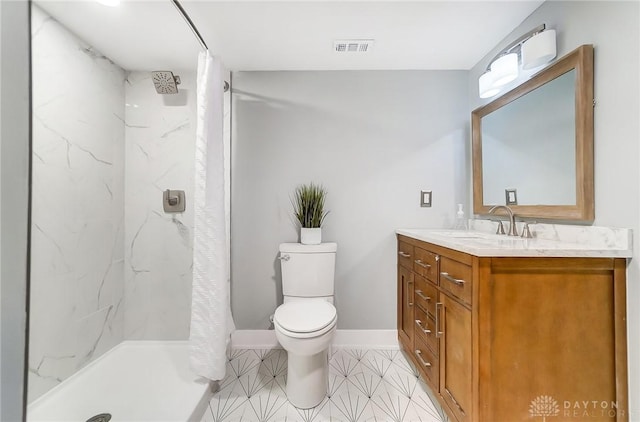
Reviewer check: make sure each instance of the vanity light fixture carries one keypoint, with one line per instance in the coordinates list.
(532, 49)
(486, 87)
(539, 49)
(505, 69)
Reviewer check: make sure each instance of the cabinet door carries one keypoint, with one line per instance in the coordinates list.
(454, 326)
(405, 307)
(553, 333)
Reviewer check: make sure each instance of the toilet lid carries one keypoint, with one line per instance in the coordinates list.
(305, 316)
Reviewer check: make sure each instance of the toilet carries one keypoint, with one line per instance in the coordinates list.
(306, 322)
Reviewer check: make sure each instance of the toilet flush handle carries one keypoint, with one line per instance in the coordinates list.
(284, 257)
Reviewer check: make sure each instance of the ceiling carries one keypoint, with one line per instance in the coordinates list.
(294, 35)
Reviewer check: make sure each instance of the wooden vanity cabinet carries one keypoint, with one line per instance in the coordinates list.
(493, 335)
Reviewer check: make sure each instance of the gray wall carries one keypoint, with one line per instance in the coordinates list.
(374, 140)
(14, 146)
(612, 27)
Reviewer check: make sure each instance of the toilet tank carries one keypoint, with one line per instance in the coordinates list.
(309, 270)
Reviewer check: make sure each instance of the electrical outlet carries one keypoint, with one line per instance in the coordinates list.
(425, 198)
(511, 196)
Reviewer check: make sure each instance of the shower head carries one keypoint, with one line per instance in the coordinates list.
(165, 82)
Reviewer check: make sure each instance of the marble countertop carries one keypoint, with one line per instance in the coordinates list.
(549, 241)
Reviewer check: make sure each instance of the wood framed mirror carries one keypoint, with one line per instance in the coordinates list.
(532, 148)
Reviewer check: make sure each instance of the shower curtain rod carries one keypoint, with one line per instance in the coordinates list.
(190, 23)
(195, 32)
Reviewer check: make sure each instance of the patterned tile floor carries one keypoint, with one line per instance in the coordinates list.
(364, 385)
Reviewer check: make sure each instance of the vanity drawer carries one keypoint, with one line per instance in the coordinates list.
(427, 362)
(426, 264)
(405, 255)
(425, 295)
(456, 278)
(426, 329)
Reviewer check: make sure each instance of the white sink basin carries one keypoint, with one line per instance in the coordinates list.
(459, 234)
(475, 235)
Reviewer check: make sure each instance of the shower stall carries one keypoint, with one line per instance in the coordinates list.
(111, 271)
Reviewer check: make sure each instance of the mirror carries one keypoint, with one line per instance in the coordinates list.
(533, 146)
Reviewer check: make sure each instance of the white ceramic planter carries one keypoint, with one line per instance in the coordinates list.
(310, 236)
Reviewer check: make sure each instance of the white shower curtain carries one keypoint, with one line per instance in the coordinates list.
(211, 321)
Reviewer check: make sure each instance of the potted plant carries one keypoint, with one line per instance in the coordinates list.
(308, 207)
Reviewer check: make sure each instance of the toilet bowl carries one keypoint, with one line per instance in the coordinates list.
(305, 329)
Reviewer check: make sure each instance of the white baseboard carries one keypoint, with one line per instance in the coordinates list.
(254, 339)
(352, 339)
(366, 339)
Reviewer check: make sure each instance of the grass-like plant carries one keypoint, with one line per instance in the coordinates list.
(308, 205)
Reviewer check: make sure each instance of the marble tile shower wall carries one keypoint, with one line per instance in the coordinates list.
(159, 151)
(77, 251)
(107, 263)
(160, 154)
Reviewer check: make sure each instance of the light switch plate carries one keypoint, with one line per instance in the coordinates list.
(511, 196)
(425, 198)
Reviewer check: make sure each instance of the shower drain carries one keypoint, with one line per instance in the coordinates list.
(102, 417)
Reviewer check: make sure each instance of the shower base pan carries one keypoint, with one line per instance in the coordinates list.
(134, 381)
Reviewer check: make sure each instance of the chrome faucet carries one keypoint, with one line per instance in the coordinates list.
(512, 218)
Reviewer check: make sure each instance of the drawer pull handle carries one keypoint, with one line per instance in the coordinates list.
(423, 297)
(438, 332)
(424, 330)
(456, 281)
(422, 361)
(422, 264)
(404, 254)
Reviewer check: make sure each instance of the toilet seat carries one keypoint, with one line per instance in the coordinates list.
(303, 319)
(312, 334)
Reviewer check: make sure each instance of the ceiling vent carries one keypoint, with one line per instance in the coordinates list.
(352, 46)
